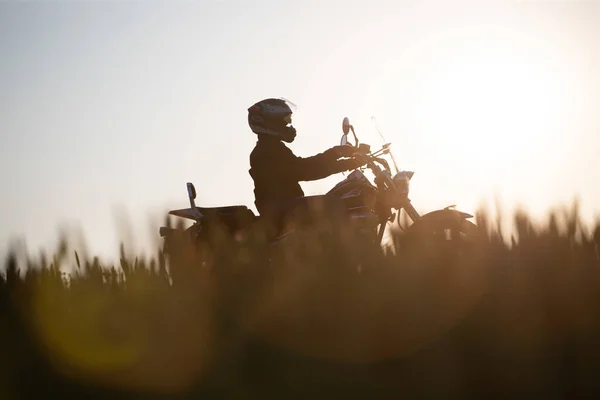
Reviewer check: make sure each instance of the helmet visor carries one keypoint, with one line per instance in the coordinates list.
(291, 105)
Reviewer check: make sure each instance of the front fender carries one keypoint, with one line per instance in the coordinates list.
(445, 216)
(446, 213)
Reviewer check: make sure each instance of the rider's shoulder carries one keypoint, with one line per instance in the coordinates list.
(270, 145)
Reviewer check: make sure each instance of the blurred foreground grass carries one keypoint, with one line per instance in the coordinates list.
(519, 318)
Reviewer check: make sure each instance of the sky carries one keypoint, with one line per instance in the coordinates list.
(108, 108)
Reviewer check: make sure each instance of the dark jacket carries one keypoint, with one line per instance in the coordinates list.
(276, 172)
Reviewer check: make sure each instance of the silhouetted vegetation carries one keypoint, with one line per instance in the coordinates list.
(306, 321)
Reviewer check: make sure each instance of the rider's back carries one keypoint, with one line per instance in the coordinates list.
(271, 165)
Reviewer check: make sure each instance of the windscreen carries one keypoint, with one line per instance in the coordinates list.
(377, 140)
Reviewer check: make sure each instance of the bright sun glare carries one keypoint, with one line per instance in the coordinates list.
(488, 108)
(503, 107)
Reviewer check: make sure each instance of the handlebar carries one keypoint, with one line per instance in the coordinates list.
(371, 160)
(364, 150)
(383, 177)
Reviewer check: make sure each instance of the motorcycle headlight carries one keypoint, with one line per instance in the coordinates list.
(402, 182)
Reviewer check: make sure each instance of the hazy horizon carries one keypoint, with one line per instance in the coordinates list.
(111, 107)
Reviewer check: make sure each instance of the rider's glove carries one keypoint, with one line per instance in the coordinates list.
(342, 151)
(352, 163)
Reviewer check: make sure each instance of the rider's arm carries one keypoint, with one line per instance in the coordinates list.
(317, 167)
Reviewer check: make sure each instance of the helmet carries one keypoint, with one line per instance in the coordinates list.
(273, 117)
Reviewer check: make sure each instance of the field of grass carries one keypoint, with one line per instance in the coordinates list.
(518, 319)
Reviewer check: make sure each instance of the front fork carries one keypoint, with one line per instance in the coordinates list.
(410, 210)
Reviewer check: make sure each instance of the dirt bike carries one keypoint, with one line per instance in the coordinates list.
(369, 206)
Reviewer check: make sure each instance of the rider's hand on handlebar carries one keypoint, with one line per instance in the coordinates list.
(343, 151)
(353, 163)
(360, 158)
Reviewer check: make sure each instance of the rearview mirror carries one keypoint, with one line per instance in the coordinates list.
(344, 140)
(346, 126)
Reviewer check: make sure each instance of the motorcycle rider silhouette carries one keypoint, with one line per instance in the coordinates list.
(277, 171)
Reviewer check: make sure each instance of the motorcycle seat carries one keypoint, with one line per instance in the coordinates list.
(233, 217)
(226, 210)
